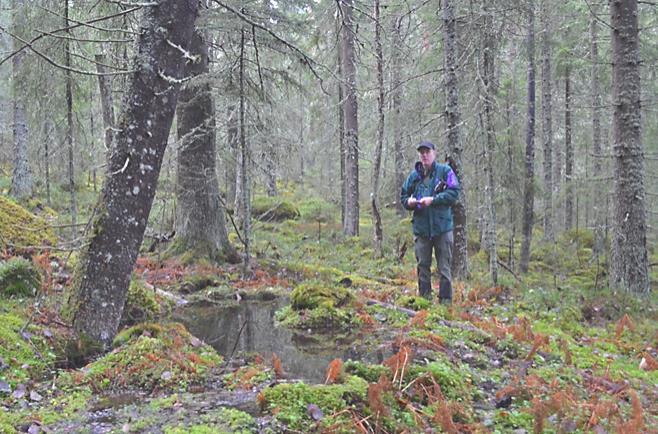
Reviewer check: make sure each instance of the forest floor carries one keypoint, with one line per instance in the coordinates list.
(549, 351)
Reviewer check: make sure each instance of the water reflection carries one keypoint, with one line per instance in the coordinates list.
(249, 327)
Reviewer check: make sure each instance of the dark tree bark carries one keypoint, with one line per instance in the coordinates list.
(396, 110)
(529, 188)
(547, 122)
(454, 145)
(98, 295)
(568, 152)
(597, 208)
(628, 260)
(377, 161)
(201, 219)
(69, 126)
(21, 179)
(488, 67)
(107, 102)
(350, 113)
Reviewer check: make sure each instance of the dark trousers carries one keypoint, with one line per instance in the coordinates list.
(441, 245)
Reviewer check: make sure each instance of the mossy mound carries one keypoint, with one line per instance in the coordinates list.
(292, 402)
(19, 278)
(313, 294)
(19, 228)
(149, 356)
(273, 209)
(142, 304)
(18, 360)
(220, 420)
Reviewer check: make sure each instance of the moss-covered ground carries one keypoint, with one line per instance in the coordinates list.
(550, 351)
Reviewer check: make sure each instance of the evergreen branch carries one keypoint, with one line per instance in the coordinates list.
(307, 60)
(63, 29)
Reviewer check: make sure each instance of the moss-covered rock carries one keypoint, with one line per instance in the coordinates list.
(142, 304)
(220, 420)
(313, 294)
(19, 228)
(19, 277)
(149, 356)
(292, 401)
(273, 209)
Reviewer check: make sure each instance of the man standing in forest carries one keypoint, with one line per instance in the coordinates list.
(429, 191)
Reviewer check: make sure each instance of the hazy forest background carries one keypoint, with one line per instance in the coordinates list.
(188, 139)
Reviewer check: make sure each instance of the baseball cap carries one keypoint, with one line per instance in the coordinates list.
(425, 144)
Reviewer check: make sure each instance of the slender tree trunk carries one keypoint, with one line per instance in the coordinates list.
(21, 180)
(69, 125)
(107, 101)
(599, 211)
(341, 117)
(233, 137)
(547, 122)
(490, 146)
(377, 161)
(98, 294)
(511, 179)
(628, 260)
(244, 159)
(350, 113)
(201, 219)
(568, 152)
(529, 189)
(396, 100)
(454, 145)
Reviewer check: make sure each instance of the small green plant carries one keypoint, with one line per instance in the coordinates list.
(20, 278)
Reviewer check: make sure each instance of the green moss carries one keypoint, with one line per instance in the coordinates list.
(218, 421)
(20, 229)
(313, 294)
(413, 302)
(142, 304)
(273, 209)
(370, 373)
(149, 356)
(455, 381)
(292, 400)
(24, 359)
(19, 277)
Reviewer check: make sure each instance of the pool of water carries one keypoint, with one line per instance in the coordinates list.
(250, 327)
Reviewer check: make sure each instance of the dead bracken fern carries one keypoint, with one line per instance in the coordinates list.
(419, 319)
(276, 366)
(334, 371)
(636, 423)
(397, 363)
(624, 323)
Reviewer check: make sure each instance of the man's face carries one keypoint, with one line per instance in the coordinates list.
(427, 156)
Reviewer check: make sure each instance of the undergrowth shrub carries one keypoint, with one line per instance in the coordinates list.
(19, 278)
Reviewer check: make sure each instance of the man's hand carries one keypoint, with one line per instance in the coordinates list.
(426, 201)
(412, 202)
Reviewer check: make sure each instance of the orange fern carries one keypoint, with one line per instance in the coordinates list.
(276, 365)
(636, 423)
(334, 371)
(419, 319)
(624, 323)
(648, 363)
(375, 397)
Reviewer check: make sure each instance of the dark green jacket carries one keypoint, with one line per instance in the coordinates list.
(441, 183)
